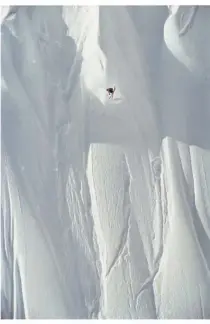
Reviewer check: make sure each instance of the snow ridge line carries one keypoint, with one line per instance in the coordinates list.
(121, 247)
(189, 21)
(100, 266)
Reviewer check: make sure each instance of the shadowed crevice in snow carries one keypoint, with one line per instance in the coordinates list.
(185, 26)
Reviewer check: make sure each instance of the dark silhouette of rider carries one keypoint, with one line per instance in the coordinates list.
(111, 91)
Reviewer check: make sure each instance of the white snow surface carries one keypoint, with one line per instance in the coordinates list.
(105, 204)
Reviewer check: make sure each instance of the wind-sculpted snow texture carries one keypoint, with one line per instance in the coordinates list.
(105, 204)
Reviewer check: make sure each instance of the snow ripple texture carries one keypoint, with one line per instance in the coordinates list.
(105, 203)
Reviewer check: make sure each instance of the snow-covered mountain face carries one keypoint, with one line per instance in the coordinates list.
(105, 202)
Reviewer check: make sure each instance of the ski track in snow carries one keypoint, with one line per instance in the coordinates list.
(105, 203)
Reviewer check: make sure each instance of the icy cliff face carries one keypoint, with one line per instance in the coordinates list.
(105, 203)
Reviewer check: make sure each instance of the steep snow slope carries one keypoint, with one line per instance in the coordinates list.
(105, 203)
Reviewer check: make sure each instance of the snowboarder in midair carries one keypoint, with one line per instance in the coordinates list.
(111, 92)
